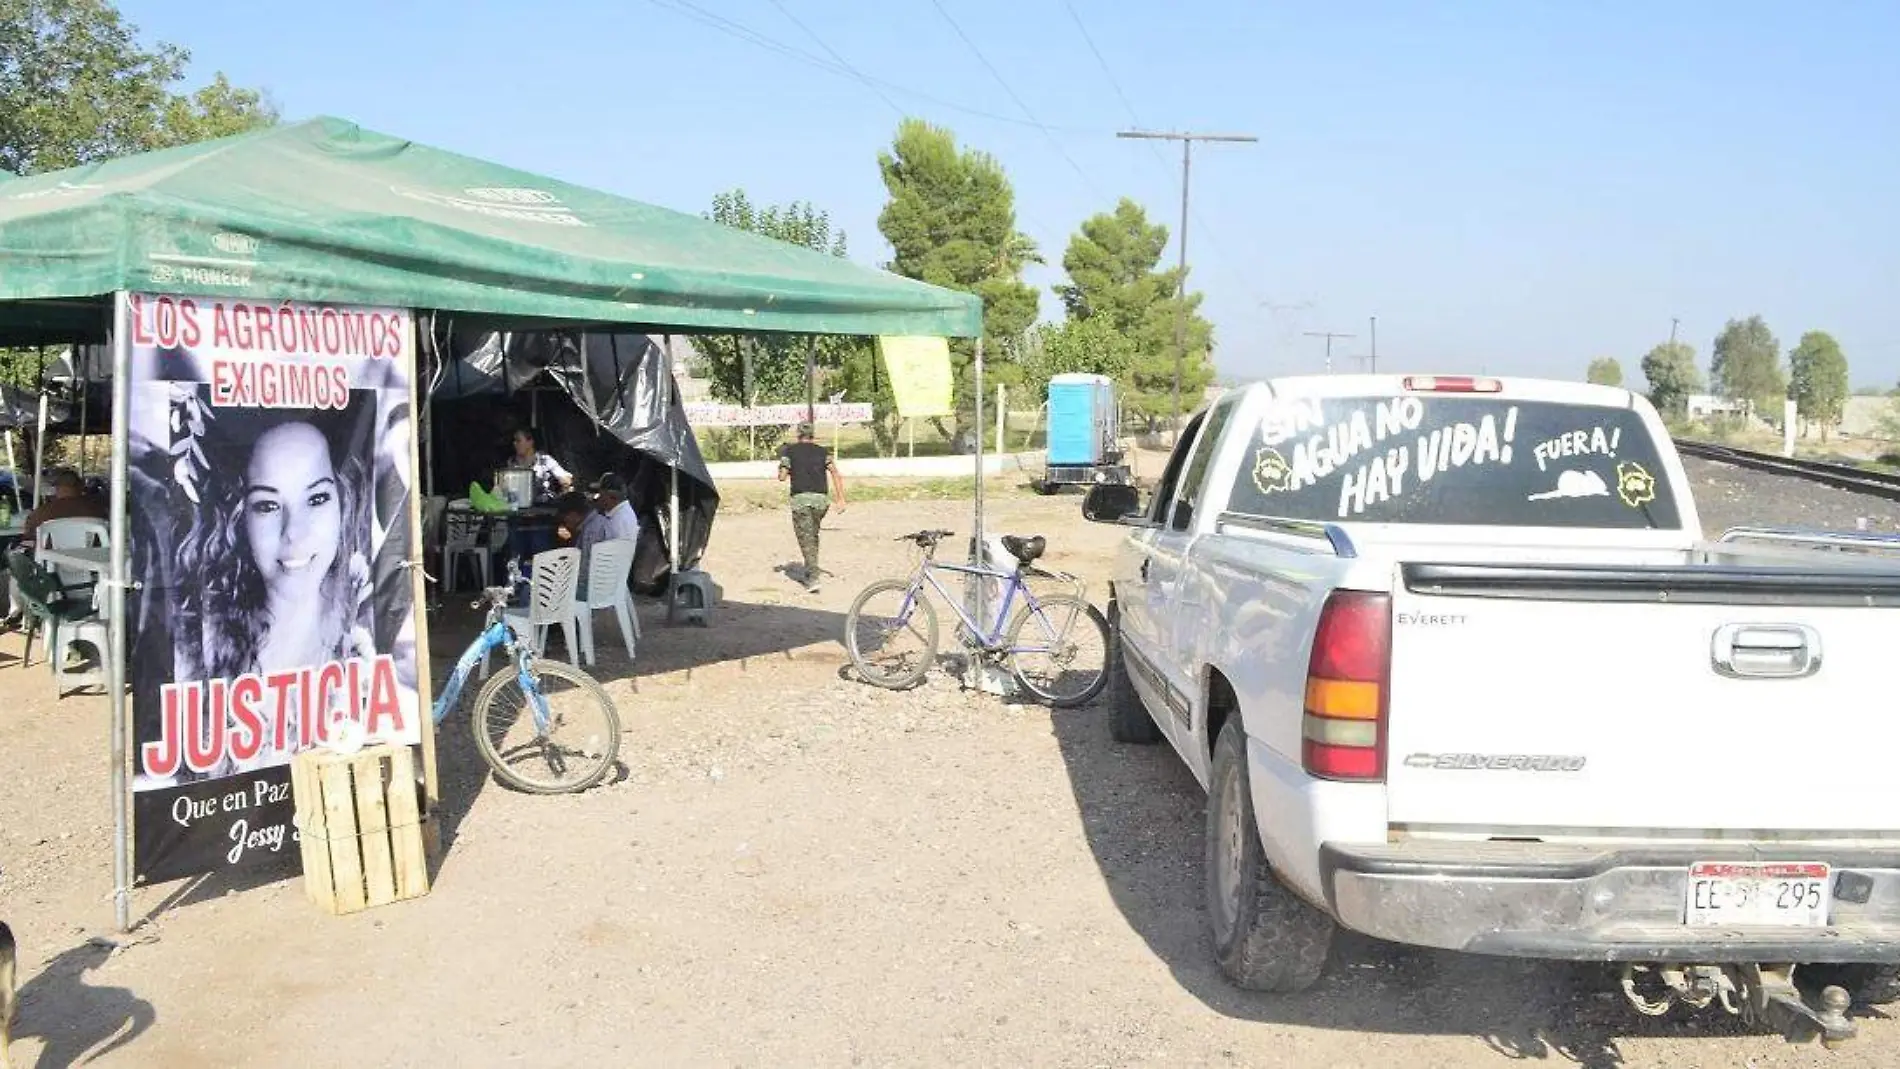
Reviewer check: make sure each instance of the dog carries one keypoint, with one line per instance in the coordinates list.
(8, 952)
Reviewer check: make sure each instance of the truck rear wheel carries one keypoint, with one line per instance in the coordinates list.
(1128, 719)
(1265, 937)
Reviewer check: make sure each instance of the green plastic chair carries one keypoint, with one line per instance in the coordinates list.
(47, 603)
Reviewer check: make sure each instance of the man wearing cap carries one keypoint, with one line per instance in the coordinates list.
(806, 464)
(610, 497)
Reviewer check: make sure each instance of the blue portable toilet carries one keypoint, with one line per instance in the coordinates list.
(1083, 423)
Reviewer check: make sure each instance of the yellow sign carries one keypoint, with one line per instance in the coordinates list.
(920, 375)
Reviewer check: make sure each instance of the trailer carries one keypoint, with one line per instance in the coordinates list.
(1084, 447)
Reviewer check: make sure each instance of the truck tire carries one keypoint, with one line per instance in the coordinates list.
(1265, 937)
(1128, 719)
(1868, 985)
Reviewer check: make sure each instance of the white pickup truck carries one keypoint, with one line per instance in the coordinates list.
(1459, 669)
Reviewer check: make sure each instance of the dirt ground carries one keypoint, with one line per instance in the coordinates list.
(795, 870)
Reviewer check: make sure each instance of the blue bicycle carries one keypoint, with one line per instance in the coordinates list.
(545, 727)
(1056, 647)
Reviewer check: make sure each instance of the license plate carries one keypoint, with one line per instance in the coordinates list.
(1768, 894)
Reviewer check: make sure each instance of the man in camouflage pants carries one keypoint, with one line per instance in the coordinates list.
(807, 465)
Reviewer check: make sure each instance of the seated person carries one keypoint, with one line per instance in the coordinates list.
(583, 526)
(610, 497)
(69, 501)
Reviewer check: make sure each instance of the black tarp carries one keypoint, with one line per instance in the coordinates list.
(595, 402)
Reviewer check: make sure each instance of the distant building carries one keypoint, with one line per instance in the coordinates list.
(1704, 405)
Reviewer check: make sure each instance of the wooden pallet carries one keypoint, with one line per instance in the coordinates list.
(359, 827)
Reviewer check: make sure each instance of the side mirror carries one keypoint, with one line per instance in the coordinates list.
(1111, 503)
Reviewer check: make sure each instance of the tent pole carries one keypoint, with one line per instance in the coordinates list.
(14, 470)
(673, 492)
(119, 567)
(39, 445)
(982, 585)
(811, 381)
(85, 374)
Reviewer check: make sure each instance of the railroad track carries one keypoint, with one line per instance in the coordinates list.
(1843, 476)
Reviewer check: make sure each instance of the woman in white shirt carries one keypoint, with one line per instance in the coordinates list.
(550, 479)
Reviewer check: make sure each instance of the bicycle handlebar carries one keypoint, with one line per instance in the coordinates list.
(924, 538)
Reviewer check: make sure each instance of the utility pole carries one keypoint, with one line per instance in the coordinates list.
(1329, 336)
(1375, 345)
(1673, 321)
(1180, 312)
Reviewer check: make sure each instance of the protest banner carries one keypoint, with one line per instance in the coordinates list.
(920, 375)
(270, 491)
(715, 414)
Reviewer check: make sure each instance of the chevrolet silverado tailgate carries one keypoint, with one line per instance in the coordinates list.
(1531, 700)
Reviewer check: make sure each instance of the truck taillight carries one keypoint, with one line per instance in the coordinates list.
(1451, 384)
(1347, 679)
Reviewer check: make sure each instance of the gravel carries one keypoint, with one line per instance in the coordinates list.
(796, 869)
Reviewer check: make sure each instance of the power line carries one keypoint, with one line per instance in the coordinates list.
(1108, 72)
(1000, 80)
(1180, 307)
(744, 33)
(843, 62)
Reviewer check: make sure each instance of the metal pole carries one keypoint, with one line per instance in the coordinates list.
(14, 470)
(981, 584)
(1180, 313)
(811, 381)
(39, 445)
(1375, 345)
(1329, 336)
(673, 493)
(118, 567)
(1673, 323)
(1180, 294)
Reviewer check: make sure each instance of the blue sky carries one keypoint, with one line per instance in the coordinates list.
(1508, 185)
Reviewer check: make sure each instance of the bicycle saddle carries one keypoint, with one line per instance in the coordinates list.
(1023, 549)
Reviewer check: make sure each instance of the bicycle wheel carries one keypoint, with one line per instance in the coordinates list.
(874, 631)
(580, 744)
(1063, 659)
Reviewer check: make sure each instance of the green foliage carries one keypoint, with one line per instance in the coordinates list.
(1673, 376)
(1079, 346)
(1604, 371)
(76, 86)
(1746, 365)
(1113, 278)
(778, 360)
(1817, 374)
(951, 222)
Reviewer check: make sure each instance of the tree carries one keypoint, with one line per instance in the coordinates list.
(1746, 365)
(951, 222)
(1091, 346)
(1111, 262)
(777, 360)
(76, 86)
(1604, 371)
(1817, 373)
(1673, 376)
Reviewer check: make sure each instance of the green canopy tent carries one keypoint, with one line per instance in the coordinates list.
(324, 211)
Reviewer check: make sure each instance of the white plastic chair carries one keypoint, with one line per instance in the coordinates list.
(551, 602)
(462, 532)
(608, 565)
(76, 532)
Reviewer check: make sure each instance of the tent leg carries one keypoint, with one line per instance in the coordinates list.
(673, 478)
(118, 568)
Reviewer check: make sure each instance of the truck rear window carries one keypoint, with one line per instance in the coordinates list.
(1484, 461)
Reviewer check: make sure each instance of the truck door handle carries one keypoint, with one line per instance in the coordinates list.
(1766, 651)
